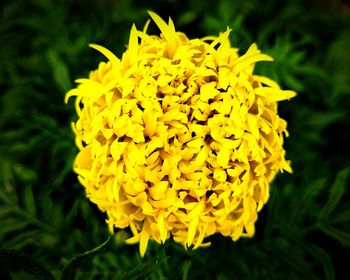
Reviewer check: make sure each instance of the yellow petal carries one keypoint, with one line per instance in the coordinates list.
(220, 175)
(150, 121)
(107, 53)
(133, 42)
(274, 94)
(168, 32)
(144, 238)
(117, 149)
(223, 157)
(208, 91)
(192, 230)
(252, 124)
(158, 190)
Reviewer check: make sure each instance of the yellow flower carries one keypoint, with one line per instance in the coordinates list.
(179, 137)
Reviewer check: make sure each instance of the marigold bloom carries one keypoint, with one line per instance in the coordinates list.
(178, 137)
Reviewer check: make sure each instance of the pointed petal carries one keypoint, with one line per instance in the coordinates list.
(144, 238)
(133, 42)
(107, 53)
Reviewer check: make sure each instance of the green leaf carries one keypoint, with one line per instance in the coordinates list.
(71, 268)
(273, 213)
(293, 82)
(186, 18)
(339, 235)
(341, 217)
(28, 199)
(301, 208)
(6, 211)
(289, 255)
(59, 70)
(324, 119)
(12, 226)
(16, 260)
(186, 269)
(23, 238)
(143, 270)
(321, 255)
(336, 192)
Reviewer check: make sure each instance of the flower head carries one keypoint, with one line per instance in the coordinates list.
(179, 137)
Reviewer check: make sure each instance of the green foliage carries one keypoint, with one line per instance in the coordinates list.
(16, 260)
(70, 269)
(45, 218)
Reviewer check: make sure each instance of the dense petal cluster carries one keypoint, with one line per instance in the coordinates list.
(178, 137)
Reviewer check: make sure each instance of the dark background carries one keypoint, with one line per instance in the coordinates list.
(304, 230)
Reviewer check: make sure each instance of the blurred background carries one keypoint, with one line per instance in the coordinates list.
(46, 222)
